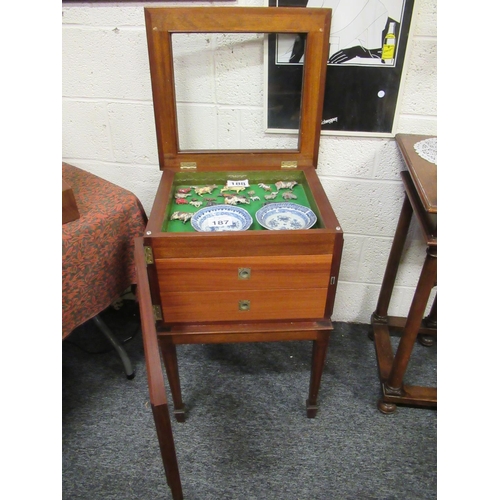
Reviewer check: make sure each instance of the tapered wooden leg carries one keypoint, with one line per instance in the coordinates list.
(167, 449)
(320, 347)
(394, 383)
(169, 353)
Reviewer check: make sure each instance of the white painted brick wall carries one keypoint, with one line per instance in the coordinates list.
(108, 129)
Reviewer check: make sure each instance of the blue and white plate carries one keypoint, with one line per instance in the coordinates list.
(221, 218)
(278, 216)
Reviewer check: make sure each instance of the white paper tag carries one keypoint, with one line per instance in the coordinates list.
(240, 183)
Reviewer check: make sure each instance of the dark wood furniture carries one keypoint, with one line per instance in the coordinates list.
(420, 183)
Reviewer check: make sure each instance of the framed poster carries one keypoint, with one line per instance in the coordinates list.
(368, 41)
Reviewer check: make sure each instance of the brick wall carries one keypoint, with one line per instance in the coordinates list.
(108, 129)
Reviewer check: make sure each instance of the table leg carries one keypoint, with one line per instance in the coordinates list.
(430, 321)
(394, 259)
(104, 329)
(167, 449)
(320, 347)
(169, 353)
(394, 383)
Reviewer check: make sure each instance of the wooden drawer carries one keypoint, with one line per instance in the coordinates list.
(245, 305)
(202, 277)
(244, 273)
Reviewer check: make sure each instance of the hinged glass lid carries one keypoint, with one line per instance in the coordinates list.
(212, 90)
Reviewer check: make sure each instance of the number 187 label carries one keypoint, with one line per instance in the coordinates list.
(220, 221)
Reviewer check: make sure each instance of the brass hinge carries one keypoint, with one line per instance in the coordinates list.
(188, 165)
(157, 313)
(289, 164)
(148, 253)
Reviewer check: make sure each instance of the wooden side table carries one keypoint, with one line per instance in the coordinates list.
(420, 183)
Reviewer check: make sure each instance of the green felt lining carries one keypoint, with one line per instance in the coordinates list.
(184, 180)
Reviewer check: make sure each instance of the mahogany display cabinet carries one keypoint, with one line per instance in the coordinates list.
(244, 285)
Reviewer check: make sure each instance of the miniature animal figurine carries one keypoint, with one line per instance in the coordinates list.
(288, 195)
(254, 198)
(182, 195)
(196, 203)
(237, 189)
(229, 195)
(285, 185)
(181, 201)
(271, 196)
(265, 187)
(182, 216)
(184, 190)
(235, 200)
(204, 189)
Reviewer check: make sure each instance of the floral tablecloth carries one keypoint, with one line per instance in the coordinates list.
(97, 248)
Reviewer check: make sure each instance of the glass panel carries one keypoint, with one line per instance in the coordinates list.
(221, 86)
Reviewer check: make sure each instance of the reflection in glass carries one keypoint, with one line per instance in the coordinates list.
(222, 95)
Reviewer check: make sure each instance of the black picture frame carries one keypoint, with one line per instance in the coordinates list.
(361, 96)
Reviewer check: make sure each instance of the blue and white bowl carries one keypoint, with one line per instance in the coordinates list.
(279, 216)
(221, 218)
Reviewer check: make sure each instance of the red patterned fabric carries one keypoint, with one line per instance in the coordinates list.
(97, 248)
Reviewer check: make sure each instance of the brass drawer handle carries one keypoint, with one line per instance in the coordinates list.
(244, 305)
(244, 273)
